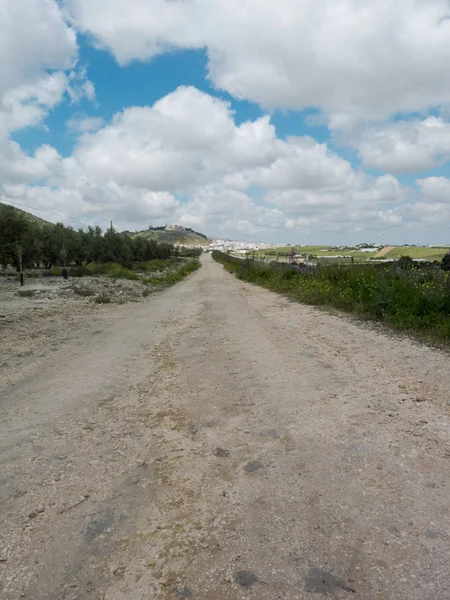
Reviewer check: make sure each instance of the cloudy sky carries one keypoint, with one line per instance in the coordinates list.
(295, 121)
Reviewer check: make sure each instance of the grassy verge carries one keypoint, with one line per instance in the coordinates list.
(176, 275)
(414, 300)
(115, 270)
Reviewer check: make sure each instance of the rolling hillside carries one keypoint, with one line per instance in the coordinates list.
(184, 236)
(160, 234)
(24, 213)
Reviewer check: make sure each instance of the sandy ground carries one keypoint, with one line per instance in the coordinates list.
(384, 251)
(218, 442)
(47, 311)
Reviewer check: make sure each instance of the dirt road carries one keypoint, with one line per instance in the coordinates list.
(218, 442)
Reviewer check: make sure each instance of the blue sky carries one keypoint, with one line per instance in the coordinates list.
(246, 123)
(142, 84)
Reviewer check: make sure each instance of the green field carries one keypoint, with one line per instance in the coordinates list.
(284, 252)
(418, 252)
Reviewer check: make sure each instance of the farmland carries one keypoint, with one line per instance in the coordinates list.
(423, 252)
(344, 254)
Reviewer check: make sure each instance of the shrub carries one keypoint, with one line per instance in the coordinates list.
(155, 265)
(102, 299)
(79, 271)
(405, 262)
(176, 276)
(191, 252)
(25, 293)
(445, 263)
(115, 271)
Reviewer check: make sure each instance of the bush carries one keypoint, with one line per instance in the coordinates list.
(445, 263)
(405, 262)
(115, 271)
(79, 271)
(231, 263)
(25, 293)
(154, 265)
(102, 299)
(191, 252)
(176, 276)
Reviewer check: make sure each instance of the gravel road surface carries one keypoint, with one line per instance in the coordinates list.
(219, 442)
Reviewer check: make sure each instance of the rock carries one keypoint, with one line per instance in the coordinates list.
(269, 433)
(325, 583)
(41, 509)
(221, 453)
(119, 572)
(184, 593)
(432, 535)
(421, 399)
(32, 515)
(252, 466)
(245, 579)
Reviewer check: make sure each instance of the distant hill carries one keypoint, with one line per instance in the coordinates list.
(173, 235)
(24, 213)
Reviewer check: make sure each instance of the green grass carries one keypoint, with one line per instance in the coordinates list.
(415, 301)
(184, 268)
(115, 271)
(153, 266)
(316, 251)
(430, 254)
(25, 293)
(418, 252)
(179, 274)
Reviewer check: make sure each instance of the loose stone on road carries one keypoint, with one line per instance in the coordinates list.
(219, 442)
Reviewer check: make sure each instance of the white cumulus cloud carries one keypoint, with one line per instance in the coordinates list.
(405, 146)
(184, 159)
(352, 59)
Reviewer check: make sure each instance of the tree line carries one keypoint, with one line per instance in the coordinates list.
(39, 244)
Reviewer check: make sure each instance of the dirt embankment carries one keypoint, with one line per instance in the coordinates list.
(218, 442)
